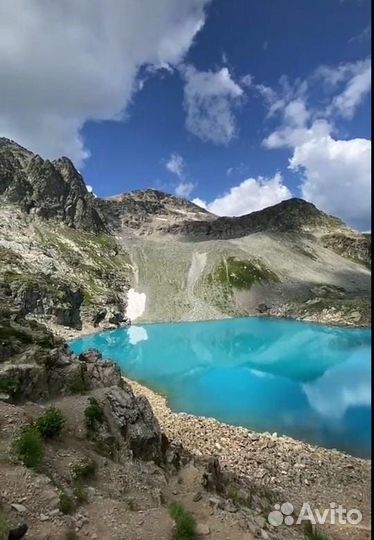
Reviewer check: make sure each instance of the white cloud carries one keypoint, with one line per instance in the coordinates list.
(335, 173)
(355, 91)
(336, 176)
(63, 63)
(184, 189)
(250, 195)
(176, 165)
(210, 98)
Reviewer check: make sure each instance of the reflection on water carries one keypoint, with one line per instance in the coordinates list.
(308, 381)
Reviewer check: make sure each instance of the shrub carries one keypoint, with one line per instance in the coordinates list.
(85, 470)
(4, 526)
(80, 494)
(311, 532)
(65, 504)
(50, 424)
(185, 524)
(29, 446)
(94, 414)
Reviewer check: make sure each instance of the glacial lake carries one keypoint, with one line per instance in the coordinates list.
(308, 381)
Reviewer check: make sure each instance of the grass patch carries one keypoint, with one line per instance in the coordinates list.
(10, 386)
(85, 470)
(51, 423)
(29, 447)
(4, 525)
(241, 274)
(185, 524)
(311, 532)
(80, 493)
(65, 504)
(94, 415)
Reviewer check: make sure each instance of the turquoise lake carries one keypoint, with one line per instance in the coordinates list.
(308, 381)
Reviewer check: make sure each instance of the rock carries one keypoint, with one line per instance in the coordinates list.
(19, 508)
(133, 423)
(44, 517)
(202, 529)
(18, 532)
(197, 496)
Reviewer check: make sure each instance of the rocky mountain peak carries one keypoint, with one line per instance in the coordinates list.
(50, 189)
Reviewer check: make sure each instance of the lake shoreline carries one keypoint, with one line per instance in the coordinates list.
(298, 471)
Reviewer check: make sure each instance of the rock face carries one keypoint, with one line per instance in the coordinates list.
(132, 420)
(356, 247)
(35, 365)
(50, 189)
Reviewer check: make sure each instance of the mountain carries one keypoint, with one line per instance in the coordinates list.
(73, 260)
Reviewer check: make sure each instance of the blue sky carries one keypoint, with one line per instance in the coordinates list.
(210, 100)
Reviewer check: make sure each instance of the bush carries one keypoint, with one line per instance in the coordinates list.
(85, 470)
(29, 446)
(50, 424)
(65, 505)
(4, 526)
(185, 524)
(80, 494)
(94, 414)
(311, 532)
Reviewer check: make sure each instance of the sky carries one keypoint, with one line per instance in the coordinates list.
(236, 105)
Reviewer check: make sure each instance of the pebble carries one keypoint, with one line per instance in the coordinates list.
(44, 517)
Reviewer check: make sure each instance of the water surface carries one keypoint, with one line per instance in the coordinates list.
(308, 381)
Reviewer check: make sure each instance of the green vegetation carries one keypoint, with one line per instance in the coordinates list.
(311, 532)
(29, 446)
(9, 386)
(80, 493)
(94, 415)
(51, 423)
(66, 503)
(241, 274)
(185, 524)
(86, 470)
(4, 525)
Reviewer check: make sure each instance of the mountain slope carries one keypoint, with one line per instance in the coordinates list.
(75, 260)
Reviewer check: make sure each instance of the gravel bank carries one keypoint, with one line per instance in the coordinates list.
(297, 471)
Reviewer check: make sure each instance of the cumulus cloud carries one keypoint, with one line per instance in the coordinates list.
(64, 63)
(210, 99)
(250, 195)
(335, 174)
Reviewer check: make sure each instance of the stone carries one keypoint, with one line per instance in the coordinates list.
(202, 529)
(197, 496)
(44, 517)
(19, 508)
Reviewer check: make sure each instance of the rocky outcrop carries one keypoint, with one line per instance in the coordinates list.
(147, 211)
(356, 247)
(50, 189)
(131, 419)
(35, 365)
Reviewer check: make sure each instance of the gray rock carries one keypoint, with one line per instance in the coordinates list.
(19, 508)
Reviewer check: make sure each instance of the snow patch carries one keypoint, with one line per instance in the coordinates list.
(135, 304)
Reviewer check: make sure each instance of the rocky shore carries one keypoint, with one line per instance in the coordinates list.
(295, 471)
